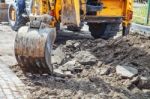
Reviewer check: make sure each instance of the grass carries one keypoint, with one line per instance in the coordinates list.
(140, 14)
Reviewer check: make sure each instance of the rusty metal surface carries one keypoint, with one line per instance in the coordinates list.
(31, 49)
(70, 13)
(3, 12)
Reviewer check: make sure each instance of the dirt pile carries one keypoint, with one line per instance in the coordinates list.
(88, 69)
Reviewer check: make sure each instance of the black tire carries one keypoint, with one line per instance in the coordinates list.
(20, 20)
(103, 30)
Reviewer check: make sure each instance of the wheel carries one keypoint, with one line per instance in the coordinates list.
(33, 49)
(103, 30)
(16, 20)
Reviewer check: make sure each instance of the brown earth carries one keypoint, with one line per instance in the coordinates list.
(86, 81)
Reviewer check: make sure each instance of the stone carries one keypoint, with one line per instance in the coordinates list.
(85, 58)
(135, 80)
(76, 44)
(69, 43)
(144, 83)
(85, 73)
(132, 83)
(97, 70)
(68, 73)
(58, 71)
(147, 91)
(111, 75)
(104, 71)
(68, 66)
(72, 66)
(126, 71)
(70, 63)
(58, 56)
(128, 83)
(56, 60)
(99, 63)
(136, 90)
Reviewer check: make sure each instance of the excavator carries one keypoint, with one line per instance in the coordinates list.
(37, 29)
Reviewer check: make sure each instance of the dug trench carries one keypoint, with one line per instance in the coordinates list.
(94, 68)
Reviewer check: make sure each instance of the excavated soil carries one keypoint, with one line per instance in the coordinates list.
(86, 82)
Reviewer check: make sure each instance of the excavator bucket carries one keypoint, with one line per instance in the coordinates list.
(33, 49)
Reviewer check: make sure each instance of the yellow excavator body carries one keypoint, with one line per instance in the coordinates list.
(69, 11)
(111, 8)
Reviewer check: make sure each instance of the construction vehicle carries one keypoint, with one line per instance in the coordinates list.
(34, 41)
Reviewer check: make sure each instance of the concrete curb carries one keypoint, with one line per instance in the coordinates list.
(140, 29)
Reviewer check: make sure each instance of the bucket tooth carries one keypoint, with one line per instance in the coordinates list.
(33, 49)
